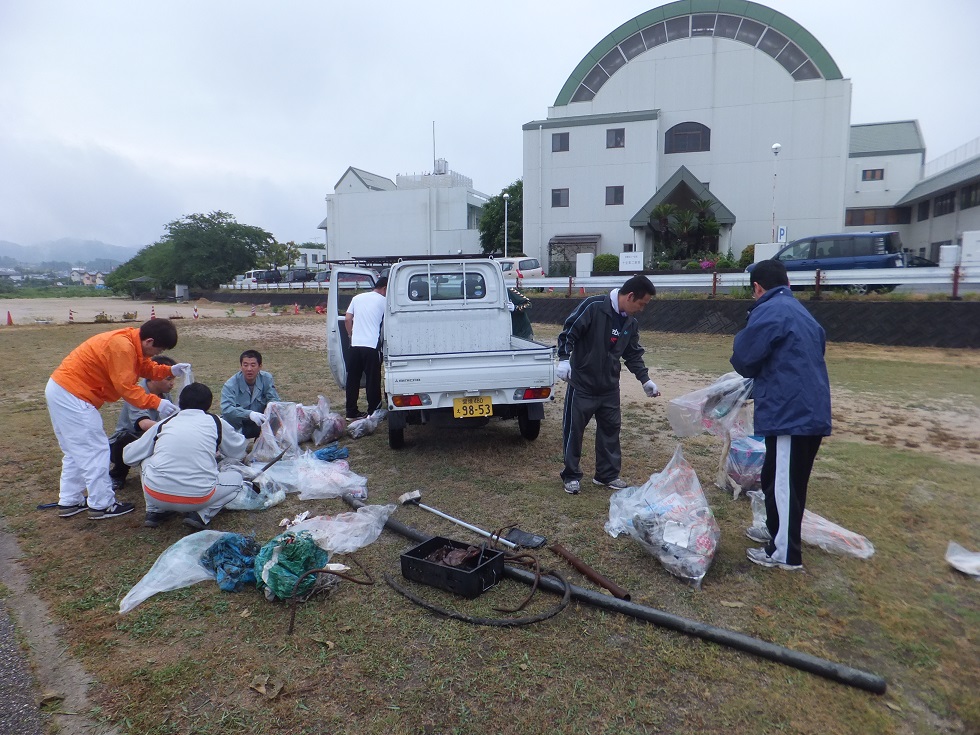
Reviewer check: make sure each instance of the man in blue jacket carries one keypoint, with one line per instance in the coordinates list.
(601, 332)
(782, 348)
(245, 395)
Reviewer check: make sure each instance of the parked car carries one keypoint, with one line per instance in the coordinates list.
(917, 261)
(844, 251)
(298, 275)
(520, 267)
(322, 277)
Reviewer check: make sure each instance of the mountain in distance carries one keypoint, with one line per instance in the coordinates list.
(67, 249)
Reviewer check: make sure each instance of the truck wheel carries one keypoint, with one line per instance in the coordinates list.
(530, 428)
(396, 438)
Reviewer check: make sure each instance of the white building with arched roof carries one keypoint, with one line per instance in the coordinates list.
(685, 102)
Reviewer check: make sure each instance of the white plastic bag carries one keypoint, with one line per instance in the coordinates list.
(279, 432)
(346, 532)
(268, 495)
(714, 409)
(315, 479)
(366, 426)
(178, 566)
(962, 560)
(816, 531)
(669, 515)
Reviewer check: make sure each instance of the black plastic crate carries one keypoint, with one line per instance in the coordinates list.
(461, 581)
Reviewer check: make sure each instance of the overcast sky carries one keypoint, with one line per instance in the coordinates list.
(117, 117)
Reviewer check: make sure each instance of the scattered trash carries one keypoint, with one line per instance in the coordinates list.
(231, 559)
(816, 531)
(669, 515)
(963, 560)
(283, 560)
(332, 452)
(743, 464)
(714, 409)
(346, 532)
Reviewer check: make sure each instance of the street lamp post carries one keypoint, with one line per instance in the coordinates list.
(775, 155)
(506, 204)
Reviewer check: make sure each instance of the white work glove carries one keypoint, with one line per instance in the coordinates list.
(650, 388)
(166, 408)
(564, 371)
(180, 369)
(510, 306)
(257, 418)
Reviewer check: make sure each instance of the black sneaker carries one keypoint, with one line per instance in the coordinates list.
(116, 509)
(194, 520)
(356, 416)
(67, 511)
(155, 519)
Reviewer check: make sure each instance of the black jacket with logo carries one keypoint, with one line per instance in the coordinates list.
(586, 341)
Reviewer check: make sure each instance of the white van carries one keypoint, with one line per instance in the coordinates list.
(522, 267)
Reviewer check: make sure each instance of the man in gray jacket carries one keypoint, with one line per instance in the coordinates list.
(246, 394)
(782, 348)
(600, 332)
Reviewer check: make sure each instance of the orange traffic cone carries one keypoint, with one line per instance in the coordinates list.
(71, 316)
(153, 313)
(253, 309)
(10, 320)
(195, 312)
(295, 308)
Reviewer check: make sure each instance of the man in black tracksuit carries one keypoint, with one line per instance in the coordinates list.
(601, 331)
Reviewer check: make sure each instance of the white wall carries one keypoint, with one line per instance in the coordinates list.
(901, 173)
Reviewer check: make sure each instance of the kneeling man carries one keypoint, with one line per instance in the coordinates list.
(178, 462)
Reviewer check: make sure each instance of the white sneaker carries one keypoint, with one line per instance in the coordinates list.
(760, 557)
(759, 535)
(572, 487)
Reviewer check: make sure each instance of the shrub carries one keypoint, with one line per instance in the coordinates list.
(663, 265)
(693, 266)
(605, 263)
(747, 257)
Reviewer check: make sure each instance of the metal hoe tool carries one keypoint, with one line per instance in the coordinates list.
(531, 541)
(255, 486)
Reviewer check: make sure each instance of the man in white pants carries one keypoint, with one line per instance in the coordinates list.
(102, 369)
(179, 466)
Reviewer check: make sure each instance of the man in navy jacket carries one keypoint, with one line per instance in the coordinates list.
(782, 348)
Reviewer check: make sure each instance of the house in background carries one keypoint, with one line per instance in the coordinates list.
(370, 216)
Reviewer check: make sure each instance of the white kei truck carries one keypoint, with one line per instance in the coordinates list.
(448, 355)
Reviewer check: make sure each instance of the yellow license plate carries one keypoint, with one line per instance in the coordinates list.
(472, 407)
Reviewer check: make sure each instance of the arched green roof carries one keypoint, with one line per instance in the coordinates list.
(768, 30)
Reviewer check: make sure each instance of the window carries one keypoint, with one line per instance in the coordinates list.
(616, 138)
(559, 197)
(629, 247)
(446, 287)
(873, 174)
(559, 142)
(614, 195)
(878, 216)
(923, 211)
(970, 196)
(944, 204)
(687, 137)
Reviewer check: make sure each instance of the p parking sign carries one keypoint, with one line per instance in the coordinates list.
(781, 234)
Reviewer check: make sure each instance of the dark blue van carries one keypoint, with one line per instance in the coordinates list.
(844, 251)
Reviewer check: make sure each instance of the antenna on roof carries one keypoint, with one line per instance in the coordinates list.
(433, 144)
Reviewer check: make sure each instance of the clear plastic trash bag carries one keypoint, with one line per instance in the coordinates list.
(279, 432)
(714, 409)
(315, 479)
(962, 560)
(346, 532)
(669, 515)
(178, 566)
(816, 531)
(366, 426)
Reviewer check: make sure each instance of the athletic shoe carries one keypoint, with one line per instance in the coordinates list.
(155, 519)
(114, 510)
(617, 484)
(572, 487)
(356, 416)
(759, 535)
(194, 520)
(67, 511)
(760, 557)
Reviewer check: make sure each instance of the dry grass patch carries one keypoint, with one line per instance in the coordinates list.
(366, 661)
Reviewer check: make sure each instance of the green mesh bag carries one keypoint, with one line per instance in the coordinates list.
(283, 560)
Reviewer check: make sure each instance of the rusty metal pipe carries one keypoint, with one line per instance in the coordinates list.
(589, 572)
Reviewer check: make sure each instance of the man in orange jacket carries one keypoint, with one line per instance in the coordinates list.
(104, 368)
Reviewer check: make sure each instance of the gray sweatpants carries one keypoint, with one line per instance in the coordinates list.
(229, 483)
(580, 408)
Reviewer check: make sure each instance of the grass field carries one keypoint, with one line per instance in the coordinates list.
(902, 469)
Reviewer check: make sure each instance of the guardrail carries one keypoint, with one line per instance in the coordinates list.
(940, 277)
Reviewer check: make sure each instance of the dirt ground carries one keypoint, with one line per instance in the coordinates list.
(39, 311)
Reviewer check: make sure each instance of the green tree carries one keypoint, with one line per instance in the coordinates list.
(605, 263)
(663, 214)
(686, 228)
(492, 222)
(278, 254)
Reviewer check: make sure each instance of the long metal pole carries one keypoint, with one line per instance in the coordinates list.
(803, 661)
(506, 205)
